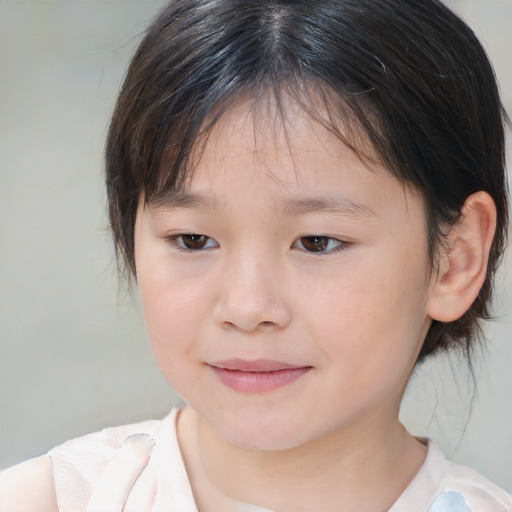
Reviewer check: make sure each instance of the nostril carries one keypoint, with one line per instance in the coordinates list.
(250, 314)
(251, 327)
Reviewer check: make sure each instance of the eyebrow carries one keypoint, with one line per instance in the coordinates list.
(339, 205)
(182, 199)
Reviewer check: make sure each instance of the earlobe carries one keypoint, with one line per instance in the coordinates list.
(463, 262)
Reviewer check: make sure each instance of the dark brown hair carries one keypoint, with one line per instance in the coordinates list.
(408, 75)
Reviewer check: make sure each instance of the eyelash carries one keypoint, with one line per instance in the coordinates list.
(339, 244)
(178, 243)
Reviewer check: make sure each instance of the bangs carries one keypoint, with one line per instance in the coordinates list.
(183, 143)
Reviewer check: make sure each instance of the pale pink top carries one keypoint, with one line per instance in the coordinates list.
(439, 486)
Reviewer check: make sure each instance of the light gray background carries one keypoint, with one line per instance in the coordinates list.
(73, 356)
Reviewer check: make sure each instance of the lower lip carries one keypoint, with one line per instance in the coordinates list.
(258, 382)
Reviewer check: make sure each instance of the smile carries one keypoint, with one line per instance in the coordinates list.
(258, 376)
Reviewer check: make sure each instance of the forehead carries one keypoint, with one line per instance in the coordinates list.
(278, 132)
(285, 155)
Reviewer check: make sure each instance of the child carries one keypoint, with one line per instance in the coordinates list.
(311, 197)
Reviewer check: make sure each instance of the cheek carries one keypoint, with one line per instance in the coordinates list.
(173, 315)
(172, 335)
(372, 317)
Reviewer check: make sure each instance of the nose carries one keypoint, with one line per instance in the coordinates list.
(252, 295)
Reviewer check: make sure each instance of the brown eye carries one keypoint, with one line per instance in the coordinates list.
(318, 243)
(194, 242)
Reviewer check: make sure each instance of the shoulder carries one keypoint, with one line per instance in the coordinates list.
(64, 478)
(442, 486)
(102, 444)
(465, 487)
(28, 487)
(79, 463)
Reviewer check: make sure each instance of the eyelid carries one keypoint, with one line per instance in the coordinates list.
(174, 240)
(341, 245)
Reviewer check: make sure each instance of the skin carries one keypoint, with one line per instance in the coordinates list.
(356, 314)
(28, 487)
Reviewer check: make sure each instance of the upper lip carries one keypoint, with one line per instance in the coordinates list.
(257, 365)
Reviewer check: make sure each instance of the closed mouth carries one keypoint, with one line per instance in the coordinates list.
(257, 365)
(259, 376)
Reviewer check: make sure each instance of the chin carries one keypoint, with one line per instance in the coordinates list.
(261, 434)
(257, 442)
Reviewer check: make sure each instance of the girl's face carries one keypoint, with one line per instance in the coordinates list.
(285, 287)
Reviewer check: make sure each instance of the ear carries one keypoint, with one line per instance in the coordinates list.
(463, 262)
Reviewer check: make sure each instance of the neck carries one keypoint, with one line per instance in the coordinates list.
(362, 468)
